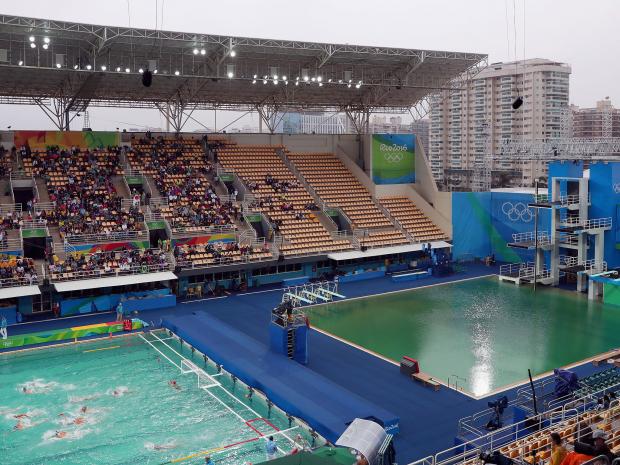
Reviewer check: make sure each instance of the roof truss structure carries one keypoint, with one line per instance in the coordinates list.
(95, 65)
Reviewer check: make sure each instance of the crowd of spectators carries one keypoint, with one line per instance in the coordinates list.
(83, 196)
(124, 261)
(17, 271)
(224, 252)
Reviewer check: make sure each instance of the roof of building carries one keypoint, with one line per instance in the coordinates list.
(98, 65)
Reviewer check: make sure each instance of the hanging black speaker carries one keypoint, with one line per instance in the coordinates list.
(147, 78)
(517, 103)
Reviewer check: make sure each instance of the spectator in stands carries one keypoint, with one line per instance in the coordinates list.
(599, 446)
(558, 451)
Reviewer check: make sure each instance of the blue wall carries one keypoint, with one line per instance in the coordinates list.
(605, 195)
(484, 222)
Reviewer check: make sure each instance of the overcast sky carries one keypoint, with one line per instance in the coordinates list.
(581, 33)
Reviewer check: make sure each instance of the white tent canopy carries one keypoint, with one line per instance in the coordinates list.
(376, 252)
(125, 280)
(365, 436)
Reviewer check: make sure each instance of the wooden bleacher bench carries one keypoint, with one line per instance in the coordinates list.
(426, 380)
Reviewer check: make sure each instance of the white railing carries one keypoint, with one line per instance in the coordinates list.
(597, 223)
(34, 224)
(543, 237)
(249, 236)
(106, 237)
(570, 239)
(157, 202)
(15, 208)
(593, 265)
(567, 260)
(44, 206)
(193, 231)
(127, 204)
(510, 269)
(224, 260)
(57, 276)
(16, 282)
(149, 215)
(11, 244)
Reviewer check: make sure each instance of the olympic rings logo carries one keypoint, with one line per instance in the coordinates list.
(617, 188)
(517, 212)
(393, 157)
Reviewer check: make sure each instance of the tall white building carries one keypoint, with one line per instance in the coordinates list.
(311, 123)
(467, 125)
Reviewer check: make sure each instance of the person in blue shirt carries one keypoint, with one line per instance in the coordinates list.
(208, 461)
(3, 325)
(119, 312)
(271, 448)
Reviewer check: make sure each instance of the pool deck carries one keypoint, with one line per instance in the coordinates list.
(428, 419)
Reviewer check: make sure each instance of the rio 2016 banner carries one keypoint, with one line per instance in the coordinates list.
(40, 140)
(393, 158)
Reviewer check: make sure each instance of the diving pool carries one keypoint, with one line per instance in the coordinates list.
(132, 415)
(480, 333)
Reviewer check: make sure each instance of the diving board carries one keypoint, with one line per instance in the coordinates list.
(316, 296)
(333, 294)
(295, 296)
(310, 293)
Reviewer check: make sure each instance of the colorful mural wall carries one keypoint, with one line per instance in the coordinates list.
(225, 237)
(111, 247)
(64, 139)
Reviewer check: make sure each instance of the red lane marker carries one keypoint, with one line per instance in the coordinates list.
(248, 423)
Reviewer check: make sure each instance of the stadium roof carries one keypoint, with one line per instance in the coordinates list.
(94, 65)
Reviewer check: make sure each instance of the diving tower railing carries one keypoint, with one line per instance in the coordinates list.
(311, 293)
(528, 237)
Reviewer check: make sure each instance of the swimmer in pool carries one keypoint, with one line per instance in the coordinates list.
(21, 415)
(79, 421)
(25, 390)
(173, 383)
(19, 426)
(60, 434)
(83, 409)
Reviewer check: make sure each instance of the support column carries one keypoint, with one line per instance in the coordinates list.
(176, 113)
(58, 110)
(271, 115)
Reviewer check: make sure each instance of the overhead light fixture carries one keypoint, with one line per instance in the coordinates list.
(339, 81)
(275, 77)
(284, 78)
(349, 85)
(313, 79)
(141, 71)
(176, 73)
(31, 38)
(319, 78)
(118, 69)
(46, 46)
(255, 76)
(264, 81)
(88, 67)
(46, 40)
(230, 71)
(275, 82)
(329, 80)
(296, 83)
(230, 75)
(297, 78)
(203, 51)
(155, 72)
(196, 51)
(33, 45)
(58, 65)
(20, 63)
(320, 84)
(75, 66)
(357, 86)
(253, 81)
(304, 74)
(103, 67)
(233, 53)
(127, 70)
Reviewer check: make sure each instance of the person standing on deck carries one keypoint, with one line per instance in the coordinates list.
(119, 312)
(3, 325)
(271, 448)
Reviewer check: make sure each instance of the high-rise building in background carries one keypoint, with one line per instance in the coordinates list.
(394, 125)
(469, 124)
(311, 123)
(601, 121)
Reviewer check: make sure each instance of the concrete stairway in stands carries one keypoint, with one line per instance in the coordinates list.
(42, 189)
(121, 187)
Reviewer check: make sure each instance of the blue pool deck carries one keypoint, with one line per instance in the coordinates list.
(428, 419)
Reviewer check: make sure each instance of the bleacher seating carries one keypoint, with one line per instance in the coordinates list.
(281, 197)
(83, 197)
(17, 271)
(180, 170)
(101, 264)
(219, 253)
(337, 186)
(412, 219)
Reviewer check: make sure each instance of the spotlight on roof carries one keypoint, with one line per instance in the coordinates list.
(155, 72)
(517, 103)
(75, 66)
(230, 71)
(58, 65)
(141, 71)
(233, 53)
(319, 79)
(20, 63)
(89, 67)
(103, 67)
(46, 40)
(31, 39)
(46, 46)
(284, 78)
(176, 73)
(203, 51)
(253, 81)
(255, 76)
(196, 51)
(33, 45)
(127, 70)
(320, 84)
(313, 79)
(357, 86)
(264, 81)
(118, 69)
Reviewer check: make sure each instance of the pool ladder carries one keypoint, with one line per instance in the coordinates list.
(290, 342)
(456, 379)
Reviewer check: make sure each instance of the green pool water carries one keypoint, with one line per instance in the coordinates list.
(130, 408)
(485, 332)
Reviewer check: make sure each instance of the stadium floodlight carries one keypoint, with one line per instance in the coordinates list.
(196, 51)
(230, 71)
(33, 45)
(127, 70)
(313, 79)
(46, 40)
(31, 39)
(89, 67)
(118, 69)
(275, 77)
(46, 46)
(230, 74)
(253, 81)
(20, 63)
(306, 78)
(233, 53)
(254, 77)
(284, 78)
(296, 83)
(320, 84)
(349, 85)
(176, 73)
(103, 67)
(329, 80)
(297, 78)
(319, 78)
(203, 51)
(357, 86)
(264, 81)
(75, 66)
(58, 65)
(275, 82)
(155, 71)
(141, 71)
(339, 81)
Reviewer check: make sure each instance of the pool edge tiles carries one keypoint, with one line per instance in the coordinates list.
(385, 340)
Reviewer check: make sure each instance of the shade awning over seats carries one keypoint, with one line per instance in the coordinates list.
(19, 291)
(379, 251)
(125, 280)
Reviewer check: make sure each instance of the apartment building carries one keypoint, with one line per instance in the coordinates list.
(593, 123)
(469, 124)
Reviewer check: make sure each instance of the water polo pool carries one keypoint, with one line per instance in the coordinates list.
(133, 414)
(480, 333)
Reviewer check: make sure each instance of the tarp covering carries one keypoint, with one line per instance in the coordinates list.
(125, 280)
(324, 405)
(364, 436)
(378, 251)
(19, 291)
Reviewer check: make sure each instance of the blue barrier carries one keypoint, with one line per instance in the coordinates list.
(324, 405)
(361, 276)
(295, 281)
(413, 276)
